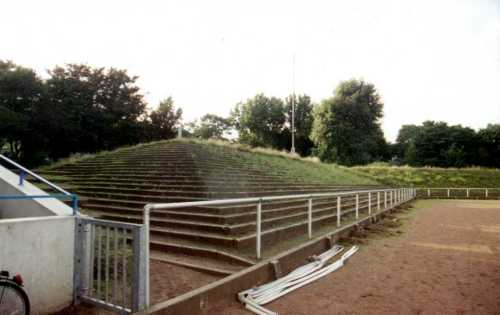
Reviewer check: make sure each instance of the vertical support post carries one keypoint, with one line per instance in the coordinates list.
(369, 203)
(467, 192)
(21, 177)
(258, 223)
(357, 206)
(74, 204)
(486, 192)
(428, 192)
(309, 217)
(385, 199)
(378, 201)
(81, 259)
(145, 223)
(448, 193)
(140, 292)
(338, 210)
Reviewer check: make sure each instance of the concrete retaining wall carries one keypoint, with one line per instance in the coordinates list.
(42, 251)
(9, 185)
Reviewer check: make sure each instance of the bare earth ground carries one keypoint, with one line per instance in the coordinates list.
(446, 261)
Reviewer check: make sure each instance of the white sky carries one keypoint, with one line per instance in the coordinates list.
(436, 60)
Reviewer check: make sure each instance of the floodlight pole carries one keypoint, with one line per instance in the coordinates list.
(293, 106)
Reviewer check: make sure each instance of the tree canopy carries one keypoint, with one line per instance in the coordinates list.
(438, 144)
(78, 109)
(346, 127)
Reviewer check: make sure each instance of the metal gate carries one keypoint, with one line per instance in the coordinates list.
(111, 264)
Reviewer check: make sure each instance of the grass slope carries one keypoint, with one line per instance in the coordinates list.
(308, 169)
(432, 177)
(269, 161)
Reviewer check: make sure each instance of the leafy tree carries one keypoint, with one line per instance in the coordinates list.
(437, 144)
(346, 127)
(260, 121)
(90, 109)
(20, 93)
(489, 146)
(303, 123)
(211, 127)
(165, 120)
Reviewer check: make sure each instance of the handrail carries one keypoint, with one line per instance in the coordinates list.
(63, 193)
(27, 171)
(221, 202)
(392, 198)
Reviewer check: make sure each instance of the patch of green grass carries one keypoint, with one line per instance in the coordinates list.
(432, 177)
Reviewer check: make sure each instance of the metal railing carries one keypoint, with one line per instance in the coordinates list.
(465, 192)
(23, 172)
(344, 203)
(110, 264)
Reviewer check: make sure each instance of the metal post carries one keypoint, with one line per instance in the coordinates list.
(145, 222)
(385, 199)
(140, 290)
(21, 177)
(338, 210)
(378, 201)
(357, 206)
(467, 192)
(486, 192)
(259, 218)
(309, 217)
(428, 192)
(448, 193)
(74, 203)
(369, 203)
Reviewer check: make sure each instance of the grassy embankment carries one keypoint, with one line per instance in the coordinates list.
(432, 176)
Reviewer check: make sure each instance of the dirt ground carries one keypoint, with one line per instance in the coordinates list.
(443, 259)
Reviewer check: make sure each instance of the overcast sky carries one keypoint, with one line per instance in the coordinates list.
(437, 60)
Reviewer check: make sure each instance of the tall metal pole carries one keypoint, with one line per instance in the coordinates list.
(293, 106)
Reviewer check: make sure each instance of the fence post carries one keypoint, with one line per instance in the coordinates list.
(21, 177)
(428, 192)
(369, 203)
(259, 219)
(467, 192)
(357, 206)
(309, 217)
(385, 199)
(78, 261)
(338, 210)
(486, 192)
(378, 200)
(74, 204)
(140, 290)
(448, 193)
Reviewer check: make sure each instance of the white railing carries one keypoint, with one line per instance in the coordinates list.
(465, 192)
(372, 200)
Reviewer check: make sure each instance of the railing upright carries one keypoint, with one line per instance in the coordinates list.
(259, 231)
(309, 217)
(338, 210)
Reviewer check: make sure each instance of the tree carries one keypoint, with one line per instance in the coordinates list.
(437, 144)
(346, 127)
(489, 146)
(20, 94)
(303, 123)
(211, 127)
(165, 120)
(260, 121)
(91, 109)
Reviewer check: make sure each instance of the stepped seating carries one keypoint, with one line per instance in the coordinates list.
(219, 240)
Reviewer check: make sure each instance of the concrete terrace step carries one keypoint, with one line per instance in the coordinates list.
(169, 244)
(207, 265)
